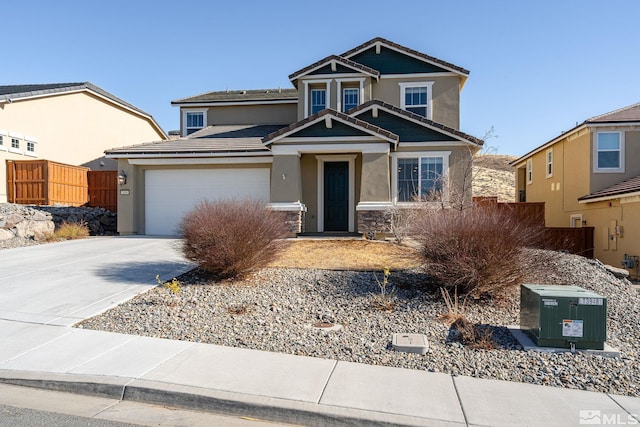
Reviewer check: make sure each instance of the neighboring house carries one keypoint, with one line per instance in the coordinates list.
(70, 123)
(590, 176)
(357, 135)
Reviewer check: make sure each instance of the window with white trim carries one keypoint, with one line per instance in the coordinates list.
(529, 171)
(194, 121)
(2, 146)
(15, 143)
(416, 97)
(609, 152)
(549, 162)
(350, 98)
(31, 148)
(318, 100)
(420, 177)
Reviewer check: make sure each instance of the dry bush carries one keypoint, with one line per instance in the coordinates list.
(472, 335)
(230, 238)
(475, 251)
(72, 231)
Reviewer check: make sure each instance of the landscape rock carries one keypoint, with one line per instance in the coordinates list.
(272, 310)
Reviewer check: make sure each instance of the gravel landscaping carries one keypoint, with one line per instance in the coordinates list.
(274, 310)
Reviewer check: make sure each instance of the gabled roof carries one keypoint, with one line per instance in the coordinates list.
(330, 113)
(624, 188)
(240, 96)
(625, 115)
(416, 118)
(331, 60)
(9, 93)
(398, 47)
(237, 140)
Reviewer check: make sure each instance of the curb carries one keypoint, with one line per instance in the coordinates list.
(214, 401)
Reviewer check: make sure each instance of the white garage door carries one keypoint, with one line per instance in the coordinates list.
(169, 194)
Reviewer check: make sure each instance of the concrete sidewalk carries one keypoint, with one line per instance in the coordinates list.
(50, 287)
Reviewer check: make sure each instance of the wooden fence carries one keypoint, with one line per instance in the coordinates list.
(103, 189)
(43, 182)
(577, 240)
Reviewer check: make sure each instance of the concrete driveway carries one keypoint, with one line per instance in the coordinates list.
(63, 283)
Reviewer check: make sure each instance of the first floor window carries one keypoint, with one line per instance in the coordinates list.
(608, 151)
(2, 141)
(194, 121)
(351, 98)
(419, 178)
(318, 100)
(31, 147)
(15, 143)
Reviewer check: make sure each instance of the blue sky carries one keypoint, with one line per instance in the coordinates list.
(537, 67)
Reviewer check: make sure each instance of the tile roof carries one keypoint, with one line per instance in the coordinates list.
(210, 140)
(349, 63)
(626, 114)
(23, 91)
(328, 111)
(631, 185)
(405, 49)
(241, 96)
(409, 114)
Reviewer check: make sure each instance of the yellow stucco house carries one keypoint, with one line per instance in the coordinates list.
(590, 176)
(70, 123)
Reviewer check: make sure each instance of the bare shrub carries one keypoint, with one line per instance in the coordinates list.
(475, 251)
(230, 238)
(472, 335)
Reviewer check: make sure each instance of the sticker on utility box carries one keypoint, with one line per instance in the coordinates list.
(550, 302)
(589, 301)
(572, 328)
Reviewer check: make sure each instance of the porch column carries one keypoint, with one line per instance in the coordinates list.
(286, 191)
(374, 216)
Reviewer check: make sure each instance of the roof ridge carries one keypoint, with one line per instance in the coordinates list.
(342, 59)
(418, 117)
(628, 107)
(414, 52)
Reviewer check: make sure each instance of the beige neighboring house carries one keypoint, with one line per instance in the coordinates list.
(70, 123)
(590, 176)
(355, 135)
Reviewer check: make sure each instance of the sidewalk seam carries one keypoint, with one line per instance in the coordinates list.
(35, 348)
(455, 387)
(635, 416)
(326, 384)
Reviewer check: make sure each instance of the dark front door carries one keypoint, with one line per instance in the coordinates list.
(336, 196)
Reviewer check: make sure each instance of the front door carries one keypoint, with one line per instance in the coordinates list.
(336, 196)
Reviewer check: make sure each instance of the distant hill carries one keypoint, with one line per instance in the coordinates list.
(493, 176)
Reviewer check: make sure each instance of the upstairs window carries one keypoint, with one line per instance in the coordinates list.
(550, 163)
(609, 150)
(318, 100)
(351, 98)
(194, 121)
(529, 171)
(420, 178)
(416, 97)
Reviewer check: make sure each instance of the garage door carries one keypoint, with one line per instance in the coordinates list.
(169, 194)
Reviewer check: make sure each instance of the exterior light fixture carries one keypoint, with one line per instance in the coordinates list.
(122, 178)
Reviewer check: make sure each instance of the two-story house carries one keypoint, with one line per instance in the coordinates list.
(374, 128)
(71, 123)
(590, 176)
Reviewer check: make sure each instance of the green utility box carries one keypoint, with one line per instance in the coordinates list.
(562, 316)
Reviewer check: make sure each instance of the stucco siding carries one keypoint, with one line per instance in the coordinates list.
(276, 114)
(72, 128)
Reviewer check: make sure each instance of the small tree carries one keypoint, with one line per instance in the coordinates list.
(230, 238)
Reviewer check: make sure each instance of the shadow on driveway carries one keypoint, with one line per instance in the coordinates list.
(143, 273)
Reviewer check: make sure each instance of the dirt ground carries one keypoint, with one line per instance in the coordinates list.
(346, 255)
